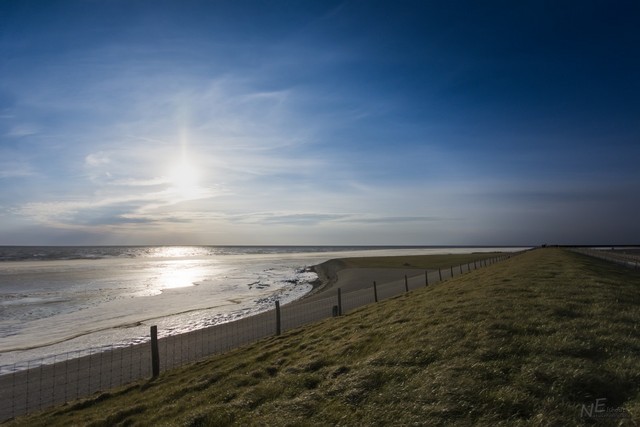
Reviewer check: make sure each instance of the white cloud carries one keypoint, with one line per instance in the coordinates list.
(15, 169)
(97, 159)
(22, 130)
(259, 168)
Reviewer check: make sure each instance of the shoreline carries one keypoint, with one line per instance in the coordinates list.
(336, 273)
(352, 274)
(327, 273)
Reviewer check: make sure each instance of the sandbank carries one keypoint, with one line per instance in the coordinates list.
(335, 273)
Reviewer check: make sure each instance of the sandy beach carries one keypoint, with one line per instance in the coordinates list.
(335, 274)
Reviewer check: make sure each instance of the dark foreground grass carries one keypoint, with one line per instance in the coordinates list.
(523, 342)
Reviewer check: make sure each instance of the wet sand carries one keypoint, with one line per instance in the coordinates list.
(333, 274)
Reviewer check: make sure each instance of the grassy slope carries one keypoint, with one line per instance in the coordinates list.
(526, 341)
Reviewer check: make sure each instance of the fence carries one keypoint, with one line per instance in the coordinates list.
(626, 260)
(44, 383)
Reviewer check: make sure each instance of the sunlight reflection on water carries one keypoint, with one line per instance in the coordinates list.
(178, 274)
(177, 251)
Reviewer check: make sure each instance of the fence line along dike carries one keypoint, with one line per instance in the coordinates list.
(620, 258)
(59, 379)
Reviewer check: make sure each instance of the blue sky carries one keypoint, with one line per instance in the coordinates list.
(300, 122)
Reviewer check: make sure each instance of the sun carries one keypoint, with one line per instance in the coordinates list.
(184, 180)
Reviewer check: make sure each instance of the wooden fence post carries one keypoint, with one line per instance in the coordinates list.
(460, 268)
(375, 291)
(406, 284)
(426, 278)
(278, 319)
(452, 271)
(440, 273)
(155, 354)
(339, 302)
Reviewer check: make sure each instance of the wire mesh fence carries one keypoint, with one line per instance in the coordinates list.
(620, 258)
(67, 377)
(43, 383)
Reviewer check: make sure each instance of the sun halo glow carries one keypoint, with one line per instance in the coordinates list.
(184, 180)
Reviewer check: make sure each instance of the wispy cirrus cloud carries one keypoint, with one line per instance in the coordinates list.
(13, 169)
(309, 218)
(97, 159)
(22, 130)
(121, 205)
(310, 125)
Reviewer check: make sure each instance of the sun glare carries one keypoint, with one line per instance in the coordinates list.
(184, 180)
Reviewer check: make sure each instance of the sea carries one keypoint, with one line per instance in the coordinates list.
(56, 300)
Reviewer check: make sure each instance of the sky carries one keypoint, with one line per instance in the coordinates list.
(319, 122)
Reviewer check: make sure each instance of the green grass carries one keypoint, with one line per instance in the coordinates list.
(524, 342)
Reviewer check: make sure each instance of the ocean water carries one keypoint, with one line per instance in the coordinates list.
(60, 299)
